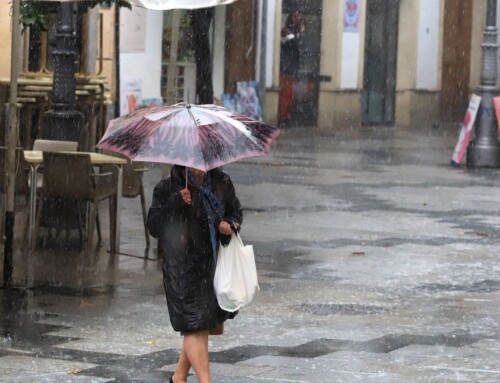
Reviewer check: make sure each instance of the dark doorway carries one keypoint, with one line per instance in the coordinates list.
(381, 45)
(457, 32)
(305, 89)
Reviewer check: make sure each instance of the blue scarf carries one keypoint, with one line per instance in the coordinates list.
(212, 205)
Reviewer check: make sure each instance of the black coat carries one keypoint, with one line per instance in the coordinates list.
(188, 261)
(290, 56)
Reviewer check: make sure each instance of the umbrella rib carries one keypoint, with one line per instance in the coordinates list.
(192, 116)
(196, 122)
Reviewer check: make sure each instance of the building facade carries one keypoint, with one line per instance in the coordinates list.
(372, 62)
(380, 62)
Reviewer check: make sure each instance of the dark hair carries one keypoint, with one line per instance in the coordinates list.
(294, 21)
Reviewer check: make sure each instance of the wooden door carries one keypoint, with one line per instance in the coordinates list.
(241, 44)
(457, 33)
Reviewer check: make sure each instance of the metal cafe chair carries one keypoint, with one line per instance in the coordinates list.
(21, 180)
(133, 187)
(55, 146)
(70, 177)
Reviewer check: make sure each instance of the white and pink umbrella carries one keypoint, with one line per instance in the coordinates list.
(178, 4)
(163, 5)
(197, 136)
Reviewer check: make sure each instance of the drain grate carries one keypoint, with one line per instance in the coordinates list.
(339, 309)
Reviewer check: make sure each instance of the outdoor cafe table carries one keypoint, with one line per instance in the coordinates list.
(34, 158)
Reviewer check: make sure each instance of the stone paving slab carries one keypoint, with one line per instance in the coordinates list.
(35, 369)
(377, 263)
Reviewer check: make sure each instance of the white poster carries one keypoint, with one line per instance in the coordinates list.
(133, 30)
(351, 16)
(130, 95)
(349, 61)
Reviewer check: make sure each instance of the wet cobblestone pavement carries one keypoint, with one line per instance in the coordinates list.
(378, 262)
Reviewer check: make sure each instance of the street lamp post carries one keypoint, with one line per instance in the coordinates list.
(62, 122)
(484, 149)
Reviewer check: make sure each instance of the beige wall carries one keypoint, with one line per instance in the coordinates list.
(478, 23)
(331, 43)
(272, 94)
(331, 48)
(339, 110)
(271, 110)
(277, 44)
(5, 38)
(406, 60)
(407, 45)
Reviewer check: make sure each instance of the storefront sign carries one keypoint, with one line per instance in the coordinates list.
(465, 132)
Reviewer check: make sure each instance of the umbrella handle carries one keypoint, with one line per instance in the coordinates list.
(186, 177)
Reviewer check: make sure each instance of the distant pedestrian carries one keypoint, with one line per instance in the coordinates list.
(190, 219)
(289, 63)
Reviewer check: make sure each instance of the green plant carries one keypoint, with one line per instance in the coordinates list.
(32, 15)
(32, 12)
(109, 3)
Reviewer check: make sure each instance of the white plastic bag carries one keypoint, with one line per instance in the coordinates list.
(235, 280)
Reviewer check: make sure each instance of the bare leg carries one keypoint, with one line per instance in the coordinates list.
(183, 367)
(195, 346)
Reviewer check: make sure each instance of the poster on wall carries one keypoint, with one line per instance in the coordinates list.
(130, 95)
(351, 16)
(466, 130)
(231, 101)
(248, 92)
(245, 101)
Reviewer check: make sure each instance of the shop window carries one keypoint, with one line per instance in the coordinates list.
(185, 86)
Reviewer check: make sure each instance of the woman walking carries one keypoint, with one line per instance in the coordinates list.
(190, 218)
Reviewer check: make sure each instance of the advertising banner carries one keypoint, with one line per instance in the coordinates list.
(351, 16)
(496, 104)
(466, 130)
(130, 95)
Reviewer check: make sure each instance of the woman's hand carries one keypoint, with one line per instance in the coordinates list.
(225, 227)
(186, 195)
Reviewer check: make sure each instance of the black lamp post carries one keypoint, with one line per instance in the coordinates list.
(62, 122)
(484, 149)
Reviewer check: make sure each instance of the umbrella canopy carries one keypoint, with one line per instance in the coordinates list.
(178, 4)
(198, 136)
(168, 4)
